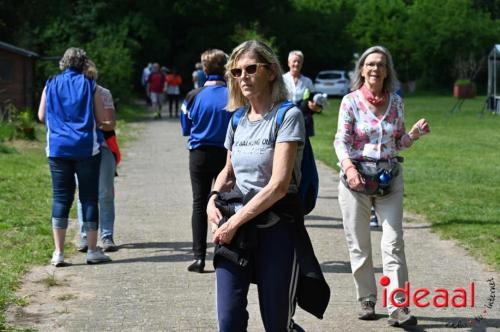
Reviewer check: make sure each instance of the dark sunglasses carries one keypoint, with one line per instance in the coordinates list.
(250, 70)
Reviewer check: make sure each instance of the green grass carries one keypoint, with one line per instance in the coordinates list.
(452, 176)
(25, 206)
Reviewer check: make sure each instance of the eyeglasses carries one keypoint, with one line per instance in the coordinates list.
(250, 70)
(371, 65)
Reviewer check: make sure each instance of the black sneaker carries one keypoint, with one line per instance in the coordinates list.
(401, 317)
(367, 311)
(197, 266)
(108, 245)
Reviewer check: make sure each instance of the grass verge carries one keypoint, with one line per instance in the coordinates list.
(451, 175)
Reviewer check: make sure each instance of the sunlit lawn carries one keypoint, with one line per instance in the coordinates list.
(452, 176)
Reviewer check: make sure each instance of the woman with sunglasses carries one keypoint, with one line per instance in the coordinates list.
(371, 131)
(259, 160)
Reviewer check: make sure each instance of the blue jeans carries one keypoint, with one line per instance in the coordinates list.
(106, 196)
(63, 172)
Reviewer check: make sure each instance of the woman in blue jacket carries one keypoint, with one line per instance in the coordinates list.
(205, 120)
(73, 112)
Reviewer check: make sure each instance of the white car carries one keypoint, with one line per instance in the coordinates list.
(332, 82)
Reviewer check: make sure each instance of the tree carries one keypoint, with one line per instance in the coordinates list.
(383, 22)
(440, 33)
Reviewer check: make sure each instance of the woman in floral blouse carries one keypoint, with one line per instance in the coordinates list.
(371, 131)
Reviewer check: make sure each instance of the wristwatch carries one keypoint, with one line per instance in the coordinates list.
(213, 192)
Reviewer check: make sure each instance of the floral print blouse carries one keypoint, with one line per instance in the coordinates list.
(361, 135)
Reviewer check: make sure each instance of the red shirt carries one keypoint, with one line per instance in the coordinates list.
(156, 82)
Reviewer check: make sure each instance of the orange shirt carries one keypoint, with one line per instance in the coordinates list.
(174, 80)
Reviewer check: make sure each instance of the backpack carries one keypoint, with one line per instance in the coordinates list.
(309, 182)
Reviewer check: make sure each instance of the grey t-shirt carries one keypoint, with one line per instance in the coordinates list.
(252, 148)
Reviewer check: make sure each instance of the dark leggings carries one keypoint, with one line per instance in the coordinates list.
(205, 163)
(173, 99)
(275, 269)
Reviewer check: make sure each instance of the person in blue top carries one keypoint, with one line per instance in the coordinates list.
(73, 112)
(205, 120)
(199, 77)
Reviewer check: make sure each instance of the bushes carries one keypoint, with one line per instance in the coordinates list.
(7, 131)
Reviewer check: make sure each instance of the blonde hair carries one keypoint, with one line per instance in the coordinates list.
(90, 70)
(214, 61)
(263, 54)
(391, 82)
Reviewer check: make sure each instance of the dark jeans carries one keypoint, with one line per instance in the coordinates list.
(63, 172)
(205, 163)
(274, 266)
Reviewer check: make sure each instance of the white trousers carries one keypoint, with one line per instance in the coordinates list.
(355, 209)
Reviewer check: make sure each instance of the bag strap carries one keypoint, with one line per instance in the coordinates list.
(235, 119)
(280, 116)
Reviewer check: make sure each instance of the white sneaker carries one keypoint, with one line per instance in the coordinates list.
(97, 257)
(57, 259)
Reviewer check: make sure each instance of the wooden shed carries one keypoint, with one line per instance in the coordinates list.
(17, 76)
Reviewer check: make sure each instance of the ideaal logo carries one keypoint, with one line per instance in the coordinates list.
(441, 297)
(460, 297)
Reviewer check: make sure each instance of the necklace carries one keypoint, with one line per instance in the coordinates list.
(372, 99)
(261, 115)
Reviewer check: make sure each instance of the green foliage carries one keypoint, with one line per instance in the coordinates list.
(318, 28)
(242, 34)
(107, 42)
(463, 82)
(6, 149)
(430, 40)
(449, 174)
(439, 32)
(7, 131)
(111, 51)
(25, 119)
(25, 124)
(386, 30)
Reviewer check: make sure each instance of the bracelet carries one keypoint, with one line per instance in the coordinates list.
(345, 171)
(213, 192)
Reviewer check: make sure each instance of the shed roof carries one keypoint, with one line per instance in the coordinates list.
(18, 50)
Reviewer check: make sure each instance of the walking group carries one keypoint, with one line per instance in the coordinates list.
(248, 126)
(160, 82)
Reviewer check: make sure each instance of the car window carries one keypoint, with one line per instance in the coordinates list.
(329, 76)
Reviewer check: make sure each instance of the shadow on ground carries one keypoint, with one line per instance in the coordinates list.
(175, 252)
